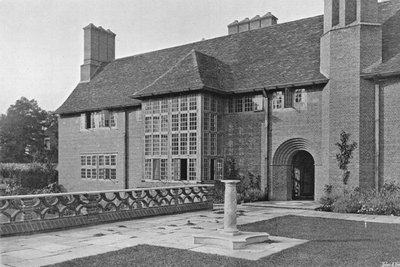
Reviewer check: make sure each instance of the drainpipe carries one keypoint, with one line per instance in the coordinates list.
(377, 140)
(126, 141)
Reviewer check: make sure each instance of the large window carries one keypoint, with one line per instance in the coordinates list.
(211, 155)
(171, 141)
(245, 103)
(99, 166)
(100, 119)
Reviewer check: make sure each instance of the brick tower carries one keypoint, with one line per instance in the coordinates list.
(351, 42)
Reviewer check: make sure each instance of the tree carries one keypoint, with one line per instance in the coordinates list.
(345, 154)
(22, 132)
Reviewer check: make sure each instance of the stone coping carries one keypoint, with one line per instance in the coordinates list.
(103, 192)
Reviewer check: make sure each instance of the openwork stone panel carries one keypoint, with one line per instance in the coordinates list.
(51, 211)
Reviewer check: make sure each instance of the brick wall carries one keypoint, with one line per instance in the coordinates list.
(349, 100)
(241, 139)
(293, 123)
(73, 141)
(389, 130)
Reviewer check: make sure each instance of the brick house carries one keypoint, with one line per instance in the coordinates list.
(275, 97)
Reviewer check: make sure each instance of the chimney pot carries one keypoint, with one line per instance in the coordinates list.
(255, 23)
(268, 20)
(244, 25)
(233, 27)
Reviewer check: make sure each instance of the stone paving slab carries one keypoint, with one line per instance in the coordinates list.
(172, 231)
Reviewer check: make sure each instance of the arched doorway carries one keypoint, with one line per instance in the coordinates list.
(303, 176)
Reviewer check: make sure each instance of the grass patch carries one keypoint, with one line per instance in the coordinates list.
(333, 243)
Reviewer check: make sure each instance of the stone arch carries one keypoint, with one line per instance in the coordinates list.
(281, 182)
(286, 150)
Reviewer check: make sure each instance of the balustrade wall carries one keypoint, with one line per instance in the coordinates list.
(33, 213)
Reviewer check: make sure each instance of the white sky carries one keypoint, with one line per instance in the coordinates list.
(41, 41)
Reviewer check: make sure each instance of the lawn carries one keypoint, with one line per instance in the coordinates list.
(333, 243)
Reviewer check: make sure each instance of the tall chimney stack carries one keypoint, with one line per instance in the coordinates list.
(99, 48)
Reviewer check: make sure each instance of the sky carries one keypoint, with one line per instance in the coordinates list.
(41, 41)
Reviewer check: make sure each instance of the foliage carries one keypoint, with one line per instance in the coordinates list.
(13, 189)
(385, 201)
(345, 154)
(22, 132)
(248, 190)
(26, 178)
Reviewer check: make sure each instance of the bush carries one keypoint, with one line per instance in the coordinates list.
(31, 176)
(349, 202)
(248, 190)
(385, 201)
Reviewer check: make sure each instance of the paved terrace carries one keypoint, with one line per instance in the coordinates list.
(171, 231)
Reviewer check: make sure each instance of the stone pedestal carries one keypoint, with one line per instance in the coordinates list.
(230, 237)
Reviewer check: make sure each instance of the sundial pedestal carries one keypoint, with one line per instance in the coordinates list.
(230, 237)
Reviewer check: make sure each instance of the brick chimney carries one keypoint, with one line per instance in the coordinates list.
(99, 47)
(252, 24)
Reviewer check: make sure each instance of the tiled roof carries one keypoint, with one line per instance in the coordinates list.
(287, 53)
(392, 66)
(195, 71)
(283, 53)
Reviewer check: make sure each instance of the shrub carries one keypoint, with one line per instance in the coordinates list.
(29, 176)
(349, 202)
(248, 190)
(385, 201)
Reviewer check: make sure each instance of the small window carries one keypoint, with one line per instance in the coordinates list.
(147, 123)
(193, 143)
(147, 145)
(193, 103)
(164, 123)
(164, 169)
(258, 103)
(184, 121)
(184, 103)
(147, 169)
(156, 107)
(299, 96)
(248, 103)
(175, 144)
(156, 145)
(156, 124)
(277, 100)
(192, 169)
(238, 104)
(164, 106)
(219, 167)
(175, 105)
(193, 121)
(164, 145)
(175, 123)
(213, 122)
(206, 145)
(230, 105)
(184, 143)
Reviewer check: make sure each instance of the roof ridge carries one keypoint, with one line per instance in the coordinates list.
(218, 37)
